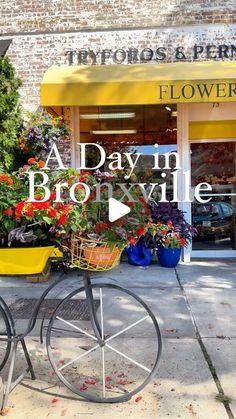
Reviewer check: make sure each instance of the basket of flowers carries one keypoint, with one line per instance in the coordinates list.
(94, 254)
(98, 245)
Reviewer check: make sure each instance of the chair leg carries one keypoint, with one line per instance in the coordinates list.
(10, 374)
(28, 360)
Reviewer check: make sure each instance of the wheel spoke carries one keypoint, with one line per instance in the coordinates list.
(76, 327)
(129, 359)
(61, 330)
(101, 356)
(103, 349)
(126, 328)
(78, 357)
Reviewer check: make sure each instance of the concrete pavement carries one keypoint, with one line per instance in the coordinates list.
(195, 308)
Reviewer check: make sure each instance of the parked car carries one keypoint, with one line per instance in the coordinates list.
(214, 220)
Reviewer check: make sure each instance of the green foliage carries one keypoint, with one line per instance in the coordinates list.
(41, 131)
(10, 114)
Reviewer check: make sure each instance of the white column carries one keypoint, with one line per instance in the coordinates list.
(75, 136)
(183, 147)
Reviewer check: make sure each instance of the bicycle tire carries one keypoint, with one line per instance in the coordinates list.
(52, 329)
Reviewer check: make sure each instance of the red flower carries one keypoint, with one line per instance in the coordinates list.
(83, 175)
(90, 198)
(142, 200)
(8, 211)
(6, 179)
(19, 208)
(121, 222)
(100, 227)
(41, 164)
(140, 231)
(32, 160)
(132, 240)
(52, 196)
(41, 205)
(130, 204)
(30, 211)
(62, 219)
(52, 213)
(182, 242)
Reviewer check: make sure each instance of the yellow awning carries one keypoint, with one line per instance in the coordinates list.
(139, 84)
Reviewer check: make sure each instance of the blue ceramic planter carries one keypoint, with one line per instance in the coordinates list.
(168, 258)
(138, 255)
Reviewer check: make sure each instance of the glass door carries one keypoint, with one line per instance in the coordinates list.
(215, 163)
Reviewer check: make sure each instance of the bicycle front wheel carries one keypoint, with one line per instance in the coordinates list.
(118, 368)
(126, 360)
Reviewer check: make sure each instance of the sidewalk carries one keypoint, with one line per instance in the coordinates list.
(196, 310)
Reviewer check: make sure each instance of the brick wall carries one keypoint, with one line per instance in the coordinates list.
(42, 31)
(31, 55)
(73, 15)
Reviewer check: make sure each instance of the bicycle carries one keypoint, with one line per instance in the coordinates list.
(94, 354)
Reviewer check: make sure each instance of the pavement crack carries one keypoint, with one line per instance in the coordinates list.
(222, 397)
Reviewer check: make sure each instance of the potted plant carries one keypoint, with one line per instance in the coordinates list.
(168, 241)
(40, 131)
(99, 243)
(168, 212)
(30, 230)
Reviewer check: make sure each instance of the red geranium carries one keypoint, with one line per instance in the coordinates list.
(140, 231)
(19, 209)
(100, 227)
(132, 240)
(32, 161)
(29, 211)
(6, 179)
(62, 219)
(182, 242)
(8, 211)
(52, 213)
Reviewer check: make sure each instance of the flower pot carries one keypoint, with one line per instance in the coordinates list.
(25, 260)
(138, 255)
(169, 257)
(101, 256)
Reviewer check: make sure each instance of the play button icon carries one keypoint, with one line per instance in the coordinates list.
(117, 210)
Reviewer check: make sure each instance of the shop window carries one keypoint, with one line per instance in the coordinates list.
(215, 163)
(133, 129)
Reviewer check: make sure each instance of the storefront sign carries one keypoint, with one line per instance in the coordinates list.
(196, 91)
(139, 84)
(145, 55)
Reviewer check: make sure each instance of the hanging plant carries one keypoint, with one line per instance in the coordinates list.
(42, 130)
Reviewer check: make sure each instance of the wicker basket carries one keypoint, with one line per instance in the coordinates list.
(93, 255)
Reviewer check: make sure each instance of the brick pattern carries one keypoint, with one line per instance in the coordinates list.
(67, 15)
(31, 55)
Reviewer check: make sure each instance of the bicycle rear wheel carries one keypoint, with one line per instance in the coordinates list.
(5, 336)
(119, 367)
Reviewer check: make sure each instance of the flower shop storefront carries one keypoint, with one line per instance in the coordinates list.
(185, 107)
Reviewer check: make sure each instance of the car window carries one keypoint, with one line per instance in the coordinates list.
(215, 209)
(202, 209)
(226, 209)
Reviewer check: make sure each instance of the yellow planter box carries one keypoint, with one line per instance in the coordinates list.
(24, 261)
